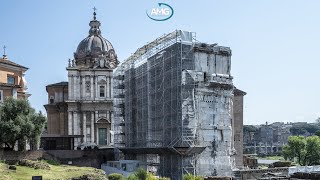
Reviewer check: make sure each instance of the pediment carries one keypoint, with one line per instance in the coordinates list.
(103, 120)
(102, 81)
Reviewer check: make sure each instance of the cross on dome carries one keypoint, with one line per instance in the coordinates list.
(94, 13)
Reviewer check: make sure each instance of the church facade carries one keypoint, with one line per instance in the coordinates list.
(89, 99)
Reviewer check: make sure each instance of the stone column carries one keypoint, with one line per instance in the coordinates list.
(61, 123)
(75, 123)
(111, 88)
(91, 86)
(97, 135)
(107, 88)
(112, 127)
(84, 127)
(70, 90)
(75, 87)
(83, 88)
(266, 148)
(70, 123)
(92, 127)
(108, 137)
(78, 87)
(255, 148)
(96, 86)
(260, 147)
(96, 128)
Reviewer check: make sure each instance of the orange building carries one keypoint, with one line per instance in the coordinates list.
(12, 81)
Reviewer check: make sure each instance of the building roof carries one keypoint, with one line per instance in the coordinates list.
(62, 83)
(8, 62)
(59, 84)
(239, 92)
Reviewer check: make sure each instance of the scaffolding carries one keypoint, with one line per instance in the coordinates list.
(153, 107)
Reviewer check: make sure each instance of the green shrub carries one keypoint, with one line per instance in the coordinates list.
(282, 164)
(151, 177)
(132, 177)
(89, 177)
(34, 164)
(192, 177)
(164, 178)
(115, 176)
(141, 174)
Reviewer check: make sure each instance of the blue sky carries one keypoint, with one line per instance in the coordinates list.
(275, 44)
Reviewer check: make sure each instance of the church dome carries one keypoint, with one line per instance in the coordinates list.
(94, 45)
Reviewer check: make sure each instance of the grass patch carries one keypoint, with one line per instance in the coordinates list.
(55, 172)
(52, 162)
(272, 158)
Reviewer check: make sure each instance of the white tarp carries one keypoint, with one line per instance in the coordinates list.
(186, 36)
(306, 169)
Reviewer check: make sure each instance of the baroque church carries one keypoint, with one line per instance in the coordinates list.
(80, 111)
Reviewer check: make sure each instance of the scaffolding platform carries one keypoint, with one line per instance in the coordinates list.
(162, 150)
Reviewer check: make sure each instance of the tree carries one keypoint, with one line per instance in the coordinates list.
(39, 121)
(300, 129)
(19, 122)
(317, 133)
(249, 128)
(305, 150)
(311, 128)
(312, 156)
(297, 130)
(318, 120)
(295, 148)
